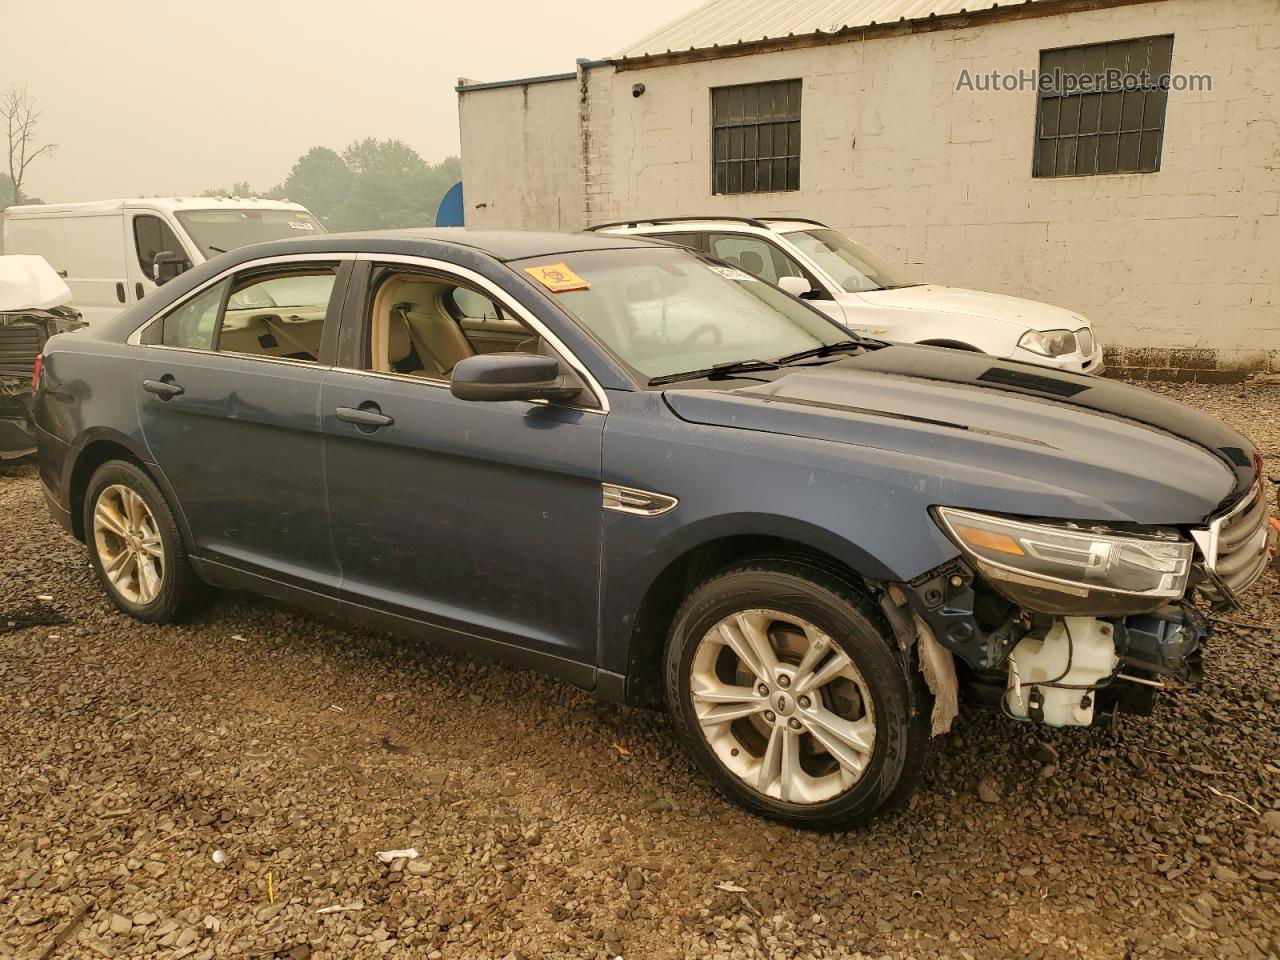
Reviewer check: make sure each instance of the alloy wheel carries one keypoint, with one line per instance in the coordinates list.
(782, 706)
(127, 540)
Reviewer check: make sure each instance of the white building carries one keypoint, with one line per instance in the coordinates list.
(1155, 213)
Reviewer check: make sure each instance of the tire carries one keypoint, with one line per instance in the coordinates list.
(115, 527)
(835, 770)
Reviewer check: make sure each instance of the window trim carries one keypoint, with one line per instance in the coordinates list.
(343, 261)
(711, 115)
(517, 310)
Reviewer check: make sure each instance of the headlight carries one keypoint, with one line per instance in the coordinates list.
(1049, 343)
(1065, 568)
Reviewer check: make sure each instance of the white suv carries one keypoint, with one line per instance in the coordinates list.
(861, 290)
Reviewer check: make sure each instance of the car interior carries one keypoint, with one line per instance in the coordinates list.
(423, 325)
(277, 316)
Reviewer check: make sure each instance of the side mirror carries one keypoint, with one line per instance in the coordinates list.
(167, 264)
(796, 286)
(512, 376)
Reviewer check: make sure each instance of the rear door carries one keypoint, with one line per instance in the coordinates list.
(229, 394)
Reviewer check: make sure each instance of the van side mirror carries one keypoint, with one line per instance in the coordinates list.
(512, 376)
(796, 286)
(167, 264)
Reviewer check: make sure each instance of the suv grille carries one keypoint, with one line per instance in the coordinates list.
(1084, 337)
(1236, 548)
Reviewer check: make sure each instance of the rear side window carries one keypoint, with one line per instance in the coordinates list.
(192, 325)
(279, 315)
(691, 240)
(151, 235)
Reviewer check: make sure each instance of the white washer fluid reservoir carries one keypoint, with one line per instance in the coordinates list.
(1048, 678)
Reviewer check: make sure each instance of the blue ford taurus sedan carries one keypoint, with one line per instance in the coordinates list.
(642, 470)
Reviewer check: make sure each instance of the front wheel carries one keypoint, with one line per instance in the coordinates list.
(788, 690)
(135, 547)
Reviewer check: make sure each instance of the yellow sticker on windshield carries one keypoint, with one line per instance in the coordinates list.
(558, 278)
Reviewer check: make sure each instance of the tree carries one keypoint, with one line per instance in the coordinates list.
(321, 181)
(21, 118)
(6, 191)
(238, 189)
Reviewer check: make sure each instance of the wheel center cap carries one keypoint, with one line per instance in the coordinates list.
(783, 704)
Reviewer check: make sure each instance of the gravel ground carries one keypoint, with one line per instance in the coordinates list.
(204, 790)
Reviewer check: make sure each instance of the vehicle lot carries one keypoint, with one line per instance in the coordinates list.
(549, 825)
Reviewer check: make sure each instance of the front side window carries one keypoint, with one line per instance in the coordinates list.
(151, 236)
(217, 231)
(663, 311)
(856, 268)
(755, 137)
(758, 257)
(1105, 110)
(423, 325)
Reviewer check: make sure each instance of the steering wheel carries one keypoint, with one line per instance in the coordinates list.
(717, 336)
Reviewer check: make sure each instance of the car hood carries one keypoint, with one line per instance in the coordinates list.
(1102, 449)
(1027, 314)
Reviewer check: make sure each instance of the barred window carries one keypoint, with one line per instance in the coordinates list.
(1101, 108)
(755, 137)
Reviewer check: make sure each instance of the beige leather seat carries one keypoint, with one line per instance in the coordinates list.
(436, 337)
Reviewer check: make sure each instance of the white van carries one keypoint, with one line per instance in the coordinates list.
(114, 252)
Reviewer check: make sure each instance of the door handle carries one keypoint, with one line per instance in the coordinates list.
(120, 290)
(164, 389)
(138, 292)
(366, 417)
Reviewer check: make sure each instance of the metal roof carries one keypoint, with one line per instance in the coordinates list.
(725, 22)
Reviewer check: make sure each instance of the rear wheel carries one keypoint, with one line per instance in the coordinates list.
(790, 694)
(135, 547)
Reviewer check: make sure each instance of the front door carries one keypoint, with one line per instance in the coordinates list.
(479, 521)
(229, 394)
(149, 234)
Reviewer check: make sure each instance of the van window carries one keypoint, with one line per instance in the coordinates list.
(151, 235)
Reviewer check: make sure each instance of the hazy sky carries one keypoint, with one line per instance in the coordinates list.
(174, 97)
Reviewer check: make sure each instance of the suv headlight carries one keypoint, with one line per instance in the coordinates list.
(1065, 568)
(1049, 343)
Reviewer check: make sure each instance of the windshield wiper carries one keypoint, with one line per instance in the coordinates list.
(210, 246)
(826, 350)
(715, 372)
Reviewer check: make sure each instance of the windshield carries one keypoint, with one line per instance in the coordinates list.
(665, 310)
(855, 267)
(217, 231)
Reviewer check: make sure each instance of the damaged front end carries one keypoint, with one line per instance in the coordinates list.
(1064, 623)
(23, 334)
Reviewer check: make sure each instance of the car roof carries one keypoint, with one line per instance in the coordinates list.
(499, 244)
